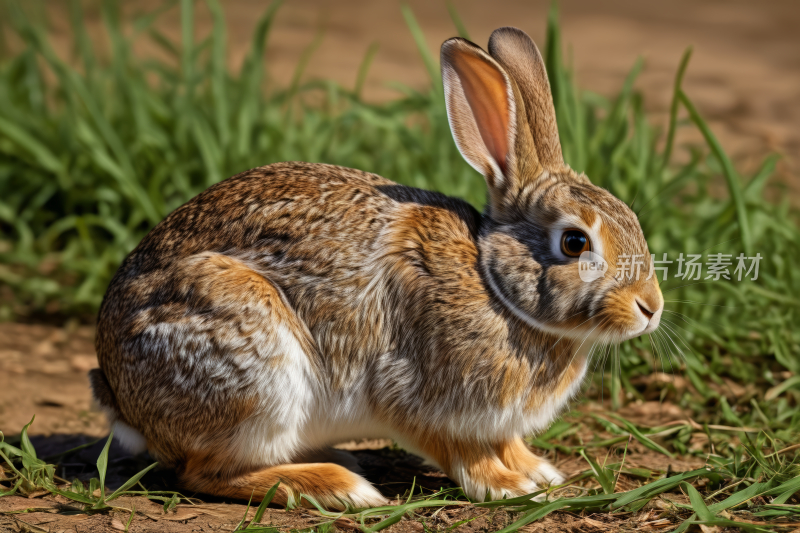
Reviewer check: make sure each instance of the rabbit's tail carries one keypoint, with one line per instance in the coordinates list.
(103, 394)
(128, 437)
(330, 485)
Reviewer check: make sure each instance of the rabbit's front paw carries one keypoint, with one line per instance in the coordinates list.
(505, 470)
(498, 485)
(516, 456)
(546, 474)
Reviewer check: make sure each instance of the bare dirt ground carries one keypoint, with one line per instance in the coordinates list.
(744, 78)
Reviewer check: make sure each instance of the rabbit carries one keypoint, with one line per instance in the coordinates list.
(298, 305)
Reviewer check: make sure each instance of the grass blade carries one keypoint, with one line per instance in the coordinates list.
(673, 108)
(363, 69)
(102, 466)
(263, 505)
(604, 476)
(130, 483)
(25, 442)
(460, 28)
(731, 177)
(698, 504)
(422, 47)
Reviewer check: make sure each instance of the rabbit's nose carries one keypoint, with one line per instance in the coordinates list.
(651, 306)
(645, 311)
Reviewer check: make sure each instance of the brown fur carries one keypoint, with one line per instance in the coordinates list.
(516, 456)
(101, 390)
(508, 464)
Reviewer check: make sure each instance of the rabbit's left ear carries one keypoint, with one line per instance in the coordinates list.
(488, 120)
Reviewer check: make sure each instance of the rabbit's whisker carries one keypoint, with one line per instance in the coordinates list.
(652, 348)
(681, 316)
(670, 325)
(656, 348)
(671, 354)
(568, 331)
(597, 345)
(715, 245)
(559, 340)
(691, 321)
(670, 342)
(602, 366)
(616, 366)
(698, 303)
(667, 350)
(602, 347)
(585, 338)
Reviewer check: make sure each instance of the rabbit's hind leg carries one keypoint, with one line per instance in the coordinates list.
(262, 367)
(331, 485)
(222, 362)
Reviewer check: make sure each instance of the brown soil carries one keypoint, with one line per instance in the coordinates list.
(56, 514)
(43, 371)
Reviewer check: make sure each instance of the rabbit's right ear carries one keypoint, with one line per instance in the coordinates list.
(482, 111)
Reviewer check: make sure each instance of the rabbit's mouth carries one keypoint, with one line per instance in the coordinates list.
(630, 312)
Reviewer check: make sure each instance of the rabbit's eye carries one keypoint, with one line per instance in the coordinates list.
(574, 242)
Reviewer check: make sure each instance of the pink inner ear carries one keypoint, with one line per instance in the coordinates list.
(486, 92)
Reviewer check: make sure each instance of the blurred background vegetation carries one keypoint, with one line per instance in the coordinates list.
(96, 149)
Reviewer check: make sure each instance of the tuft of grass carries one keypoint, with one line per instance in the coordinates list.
(27, 474)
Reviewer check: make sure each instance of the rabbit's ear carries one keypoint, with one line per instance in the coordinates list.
(482, 112)
(519, 57)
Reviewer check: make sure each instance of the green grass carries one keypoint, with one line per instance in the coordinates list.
(95, 151)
